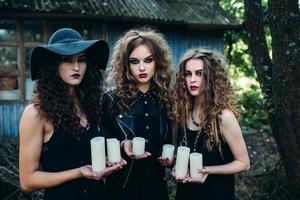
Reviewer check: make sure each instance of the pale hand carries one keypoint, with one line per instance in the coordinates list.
(165, 162)
(119, 164)
(87, 172)
(128, 151)
(205, 172)
(179, 180)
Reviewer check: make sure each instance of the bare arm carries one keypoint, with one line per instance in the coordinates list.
(234, 138)
(32, 128)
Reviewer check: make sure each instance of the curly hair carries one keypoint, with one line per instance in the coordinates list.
(217, 94)
(54, 102)
(126, 84)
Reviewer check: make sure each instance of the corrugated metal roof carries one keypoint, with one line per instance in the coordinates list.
(193, 12)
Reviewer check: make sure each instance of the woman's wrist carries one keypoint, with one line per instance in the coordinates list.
(123, 142)
(78, 172)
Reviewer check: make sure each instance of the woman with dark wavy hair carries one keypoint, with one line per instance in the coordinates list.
(65, 113)
(207, 118)
(140, 106)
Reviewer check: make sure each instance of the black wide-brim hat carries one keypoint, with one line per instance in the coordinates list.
(68, 42)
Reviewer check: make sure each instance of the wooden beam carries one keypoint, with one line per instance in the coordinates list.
(32, 44)
(21, 62)
(9, 74)
(9, 43)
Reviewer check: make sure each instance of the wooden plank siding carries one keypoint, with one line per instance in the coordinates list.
(9, 119)
(179, 38)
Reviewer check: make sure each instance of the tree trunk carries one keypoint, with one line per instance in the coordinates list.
(280, 78)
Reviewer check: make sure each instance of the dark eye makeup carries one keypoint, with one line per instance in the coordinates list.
(149, 59)
(135, 61)
(189, 73)
(199, 72)
(68, 59)
(82, 58)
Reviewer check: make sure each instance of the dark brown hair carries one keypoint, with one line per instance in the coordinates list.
(53, 99)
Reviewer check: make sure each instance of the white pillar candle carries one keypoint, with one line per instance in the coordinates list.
(168, 151)
(98, 154)
(138, 146)
(113, 150)
(182, 162)
(196, 163)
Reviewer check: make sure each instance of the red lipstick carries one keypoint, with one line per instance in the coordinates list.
(143, 75)
(193, 87)
(75, 76)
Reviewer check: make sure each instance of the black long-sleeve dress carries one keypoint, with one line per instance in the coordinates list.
(216, 187)
(141, 179)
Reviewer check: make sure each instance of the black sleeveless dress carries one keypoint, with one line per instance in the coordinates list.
(216, 187)
(64, 152)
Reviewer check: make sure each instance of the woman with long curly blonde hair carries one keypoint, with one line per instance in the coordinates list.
(207, 118)
(140, 106)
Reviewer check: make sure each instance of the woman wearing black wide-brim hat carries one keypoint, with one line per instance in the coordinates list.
(65, 113)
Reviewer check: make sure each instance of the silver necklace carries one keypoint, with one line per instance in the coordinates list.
(184, 141)
(194, 121)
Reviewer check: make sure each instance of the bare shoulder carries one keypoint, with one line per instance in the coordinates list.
(31, 110)
(227, 116)
(229, 125)
(31, 117)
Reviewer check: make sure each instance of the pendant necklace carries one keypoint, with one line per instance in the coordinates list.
(184, 141)
(193, 120)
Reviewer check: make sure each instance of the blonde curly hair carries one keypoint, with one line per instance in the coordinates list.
(126, 84)
(217, 90)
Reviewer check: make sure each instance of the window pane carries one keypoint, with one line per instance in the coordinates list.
(29, 85)
(8, 83)
(8, 59)
(28, 51)
(8, 30)
(9, 88)
(33, 31)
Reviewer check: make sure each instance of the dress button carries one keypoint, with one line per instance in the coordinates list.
(84, 192)
(145, 102)
(120, 116)
(146, 114)
(147, 127)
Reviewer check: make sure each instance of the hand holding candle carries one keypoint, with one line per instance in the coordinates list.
(168, 152)
(113, 150)
(196, 164)
(182, 162)
(138, 146)
(98, 154)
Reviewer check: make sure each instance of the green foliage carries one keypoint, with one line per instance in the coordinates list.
(252, 107)
(244, 78)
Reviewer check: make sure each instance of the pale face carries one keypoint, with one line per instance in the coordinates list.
(72, 69)
(194, 76)
(142, 65)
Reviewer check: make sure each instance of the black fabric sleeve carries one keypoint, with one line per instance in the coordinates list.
(107, 119)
